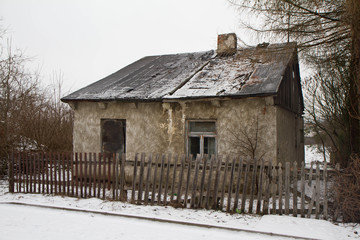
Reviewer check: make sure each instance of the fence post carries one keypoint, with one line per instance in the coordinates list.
(11, 173)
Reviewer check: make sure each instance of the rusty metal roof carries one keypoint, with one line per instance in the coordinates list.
(250, 71)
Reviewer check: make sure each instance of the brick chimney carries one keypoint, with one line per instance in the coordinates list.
(227, 44)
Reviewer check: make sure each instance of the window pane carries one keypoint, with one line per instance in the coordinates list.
(209, 145)
(194, 146)
(202, 126)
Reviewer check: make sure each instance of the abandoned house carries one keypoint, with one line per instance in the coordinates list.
(244, 101)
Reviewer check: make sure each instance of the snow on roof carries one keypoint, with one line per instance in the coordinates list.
(250, 71)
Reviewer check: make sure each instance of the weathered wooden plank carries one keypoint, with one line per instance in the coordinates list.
(85, 178)
(72, 174)
(302, 190)
(91, 165)
(212, 160)
(11, 174)
(273, 189)
(31, 170)
(267, 189)
(179, 191)
(287, 187)
(104, 176)
(123, 193)
(55, 162)
(154, 180)
(148, 177)
(76, 175)
(141, 177)
(20, 164)
(38, 173)
(161, 179)
(253, 185)
(98, 178)
(259, 197)
(189, 160)
(325, 192)
(64, 173)
(26, 172)
(280, 189)
(230, 187)
(195, 180)
(202, 181)
(238, 185)
(173, 179)
(317, 211)
(133, 189)
(245, 186)
(295, 190)
(58, 158)
(167, 179)
(108, 175)
(223, 183)
(114, 176)
(216, 187)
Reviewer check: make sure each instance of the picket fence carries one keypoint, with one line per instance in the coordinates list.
(234, 185)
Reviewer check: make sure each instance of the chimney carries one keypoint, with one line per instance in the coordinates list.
(227, 44)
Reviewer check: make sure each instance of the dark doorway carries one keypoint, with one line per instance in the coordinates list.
(113, 135)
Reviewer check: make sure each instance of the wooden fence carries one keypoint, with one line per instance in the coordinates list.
(233, 185)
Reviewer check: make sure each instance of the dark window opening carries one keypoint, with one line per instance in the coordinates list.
(113, 135)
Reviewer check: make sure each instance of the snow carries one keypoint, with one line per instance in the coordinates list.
(42, 223)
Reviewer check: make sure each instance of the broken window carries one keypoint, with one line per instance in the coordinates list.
(201, 137)
(113, 135)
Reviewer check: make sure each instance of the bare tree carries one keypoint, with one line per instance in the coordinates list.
(328, 32)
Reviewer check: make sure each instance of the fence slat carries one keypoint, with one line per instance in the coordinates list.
(141, 176)
(230, 187)
(223, 186)
(179, 191)
(217, 175)
(253, 185)
(38, 173)
(154, 180)
(134, 179)
(244, 193)
(59, 172)
(325, 192)
(167, 180)
(273, 189)
(295, 182)
(161, 179)
(260, 187)
(123, 192)
(302, 189)
(202, 182)
(195, 180)
(173, 179)
(208, 187)
(188, 180)
(280, 189)
(238, 183)
(317, 211)
(267, 189)
(287, 187)
(148, 177)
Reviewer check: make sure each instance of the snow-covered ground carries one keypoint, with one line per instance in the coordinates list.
(28, 222)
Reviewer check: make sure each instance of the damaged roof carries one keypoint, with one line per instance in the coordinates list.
(249, 72)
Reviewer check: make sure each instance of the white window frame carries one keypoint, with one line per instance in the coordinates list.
(202, 135)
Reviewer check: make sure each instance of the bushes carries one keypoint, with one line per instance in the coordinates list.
(346, 191)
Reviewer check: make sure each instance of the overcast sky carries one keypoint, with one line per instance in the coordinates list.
(86, 40)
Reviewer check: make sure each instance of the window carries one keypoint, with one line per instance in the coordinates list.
(201, 137)
(113, 133)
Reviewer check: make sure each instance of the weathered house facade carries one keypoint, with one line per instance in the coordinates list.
(245, 101)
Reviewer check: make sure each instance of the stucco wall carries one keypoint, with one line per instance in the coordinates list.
(160, 127)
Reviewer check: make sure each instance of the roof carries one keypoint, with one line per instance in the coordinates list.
(250, 71)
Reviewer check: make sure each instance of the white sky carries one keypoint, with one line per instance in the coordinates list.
(86, 40)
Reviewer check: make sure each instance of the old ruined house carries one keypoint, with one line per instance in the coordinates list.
(245, 101)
